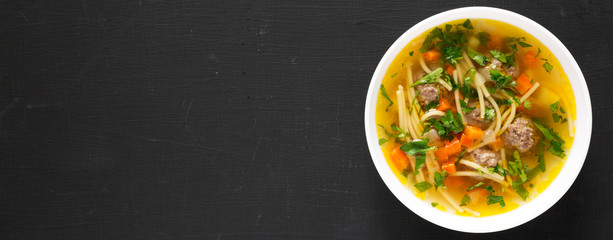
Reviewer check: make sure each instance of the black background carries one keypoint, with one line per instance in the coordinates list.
(237, 120)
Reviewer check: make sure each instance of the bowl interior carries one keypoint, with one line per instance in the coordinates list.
(576, 155)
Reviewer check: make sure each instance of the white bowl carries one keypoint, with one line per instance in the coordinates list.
(536, 206)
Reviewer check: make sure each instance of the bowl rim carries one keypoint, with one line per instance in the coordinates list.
(558, 187)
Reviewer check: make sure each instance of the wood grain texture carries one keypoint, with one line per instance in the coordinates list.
(236, 120)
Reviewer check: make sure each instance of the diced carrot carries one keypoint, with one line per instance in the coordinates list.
(473, 132)
(450, 70)
(432, 55)
(530, 59)
(466, 141)
(441, 154)
(523, 84)
(449, 167)
(400, 159)
(496, 41)
(454, 182)
(453, 147)
(476, 194)
(443, 105)
(497, 144)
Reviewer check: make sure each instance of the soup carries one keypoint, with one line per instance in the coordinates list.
(475, 117)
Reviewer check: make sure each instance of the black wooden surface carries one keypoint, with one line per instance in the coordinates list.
(237, 120)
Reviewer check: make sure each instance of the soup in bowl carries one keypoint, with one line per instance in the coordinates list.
(471, 120)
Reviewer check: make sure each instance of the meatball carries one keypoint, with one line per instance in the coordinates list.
(520, 134)
(511, 71)
(427, 92)
(474, 117)
(485, 157)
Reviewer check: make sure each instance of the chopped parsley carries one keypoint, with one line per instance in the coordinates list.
(465, 200)
(448, 41)
(384, 93)
(431, 105)
(498, 169)
(547, 67)
(465, 88)
(394, 75)
(523, 44)
(382, 141)
(448, 124)
(556, 143)
(484, 37)
(465, 108)
(527, 105)
(477, 57)
(467, 24)
(434, 204)
(518, 187)
(493, 199)
(517, 168)
(411, 53)
(422, 186)
(538, 53)
(501, 80)
(489, 114)
(431, 77)
(402, 133)
(480, 185)
(492, 90)
(498, 55)
(417, 148)
(438, 179)
(541, 157)
(453, 54)
(554, 106)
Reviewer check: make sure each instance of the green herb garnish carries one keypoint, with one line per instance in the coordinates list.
(498, 55)
(465, 108)
(501, 80)
(547, 67)
(384, 93)
(438, 179)
(465, 200)
(422, 186)
(431, 77)
(493, 199)
(477, 57)
(382, 141)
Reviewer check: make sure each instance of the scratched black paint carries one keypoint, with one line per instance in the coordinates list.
(234, 120)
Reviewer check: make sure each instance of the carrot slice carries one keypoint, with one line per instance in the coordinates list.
(466, 141)
(400, 159)
(529, 59)
(449, 167)
(473, 132)
(496, 41)
(450, 70)
(453, 147)
(523, 84)
(454, 182)
(443, 105)
(441, 154)
(432, 55)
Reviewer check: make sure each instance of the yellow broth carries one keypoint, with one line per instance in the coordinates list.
(554, 83)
